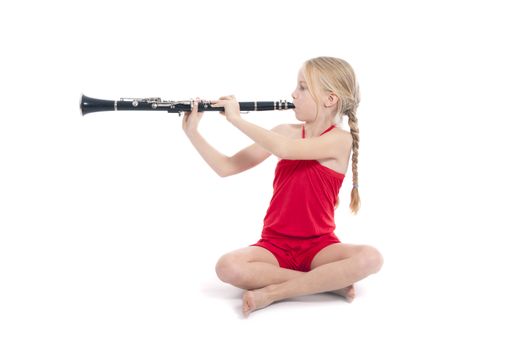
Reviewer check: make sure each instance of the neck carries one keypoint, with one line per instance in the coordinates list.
(314, 129)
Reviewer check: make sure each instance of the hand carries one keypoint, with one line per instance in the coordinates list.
(231, 107)
(191, 119)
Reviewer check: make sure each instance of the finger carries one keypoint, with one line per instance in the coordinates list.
(195, 104)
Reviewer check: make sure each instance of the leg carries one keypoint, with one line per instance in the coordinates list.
(333, 268)
(337, 252)
(252, 268)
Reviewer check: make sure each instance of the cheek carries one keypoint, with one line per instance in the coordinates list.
(309, 101)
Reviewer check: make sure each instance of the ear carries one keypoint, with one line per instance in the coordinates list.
(331, 100)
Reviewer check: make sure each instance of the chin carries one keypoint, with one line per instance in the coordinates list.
(298, 115)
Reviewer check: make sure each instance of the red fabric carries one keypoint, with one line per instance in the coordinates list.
(296, 253)
(303, 202)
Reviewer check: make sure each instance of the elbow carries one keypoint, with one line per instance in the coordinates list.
(282, 152)
(223, 174)
(225, 170)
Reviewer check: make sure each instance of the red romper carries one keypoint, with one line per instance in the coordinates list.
(300, 219)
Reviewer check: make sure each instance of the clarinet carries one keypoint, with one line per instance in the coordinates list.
(90, 105)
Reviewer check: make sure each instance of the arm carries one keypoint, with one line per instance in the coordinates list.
(269, 140)
(216, 160)
(246, 159)
(323, 147)
(223, 165)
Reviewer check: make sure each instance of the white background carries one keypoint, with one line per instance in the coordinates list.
(111, 224)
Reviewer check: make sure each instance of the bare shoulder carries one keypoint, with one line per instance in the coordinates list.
(343, 134)
(292, 131)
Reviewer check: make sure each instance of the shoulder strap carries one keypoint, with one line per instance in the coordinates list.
(327, 130)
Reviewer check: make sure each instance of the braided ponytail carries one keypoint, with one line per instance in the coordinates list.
(355, 201)
(335, 75)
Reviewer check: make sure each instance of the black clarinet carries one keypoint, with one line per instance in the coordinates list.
(90, 105)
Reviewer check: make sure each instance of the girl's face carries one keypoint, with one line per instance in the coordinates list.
(305, 106)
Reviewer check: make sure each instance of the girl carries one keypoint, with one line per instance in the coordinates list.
(298, 253)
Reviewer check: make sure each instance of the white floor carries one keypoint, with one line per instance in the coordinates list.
(137, 290)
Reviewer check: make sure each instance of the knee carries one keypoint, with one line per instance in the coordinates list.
(228, 269)
(371, 259)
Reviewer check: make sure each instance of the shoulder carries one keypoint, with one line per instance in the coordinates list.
(340, 139)
(293, 131)
(289, 130)
(343, 134)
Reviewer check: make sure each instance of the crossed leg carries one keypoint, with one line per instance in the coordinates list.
(252, 268)
(335, 268)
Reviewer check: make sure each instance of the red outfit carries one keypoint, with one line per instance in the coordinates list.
(300, 219)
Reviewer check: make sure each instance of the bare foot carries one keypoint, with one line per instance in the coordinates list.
(253, 300)
(348, 293)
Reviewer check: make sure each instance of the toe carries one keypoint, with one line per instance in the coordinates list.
(350, 295)
(247, 304)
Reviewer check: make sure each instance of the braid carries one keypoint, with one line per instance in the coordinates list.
(335, 75)
(355, 201)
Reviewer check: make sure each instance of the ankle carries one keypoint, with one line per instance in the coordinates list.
(271, 292)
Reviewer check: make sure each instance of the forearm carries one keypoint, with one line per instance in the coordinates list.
(269, 140)
(216, 160)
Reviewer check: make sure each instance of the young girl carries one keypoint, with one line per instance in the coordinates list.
(298, 253)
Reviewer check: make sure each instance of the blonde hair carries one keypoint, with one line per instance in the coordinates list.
(334, 75)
